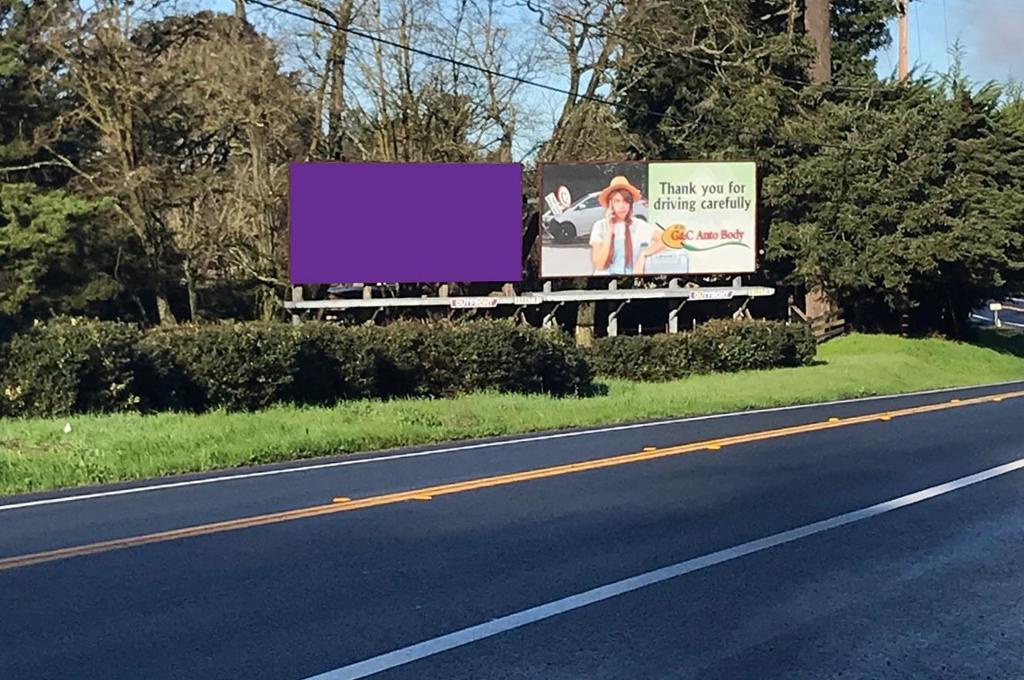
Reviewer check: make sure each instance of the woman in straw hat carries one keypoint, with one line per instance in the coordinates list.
(621, 242)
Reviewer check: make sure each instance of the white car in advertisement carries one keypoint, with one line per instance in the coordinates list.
(578, 220)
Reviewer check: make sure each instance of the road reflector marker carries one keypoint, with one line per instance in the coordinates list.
(997, 399)
(341, 499)
(833, 419)
(886, 417)
(714, 447)
(650, 448)
(954, 401)
(422, 497)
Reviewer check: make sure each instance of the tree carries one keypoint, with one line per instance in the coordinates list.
(195, 125)
(919, 211)
(239, 122)
(59, 253)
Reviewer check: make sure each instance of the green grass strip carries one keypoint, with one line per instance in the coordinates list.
(36, 454)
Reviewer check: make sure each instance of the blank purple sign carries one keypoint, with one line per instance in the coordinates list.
(405, 222)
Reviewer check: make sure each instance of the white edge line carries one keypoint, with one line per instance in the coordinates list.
(482, 445)
(554, 608)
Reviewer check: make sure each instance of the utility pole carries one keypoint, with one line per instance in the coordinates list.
(817, 23)
(818, 27)
(903, 9)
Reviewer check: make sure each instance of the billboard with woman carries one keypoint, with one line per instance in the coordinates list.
(647, 219)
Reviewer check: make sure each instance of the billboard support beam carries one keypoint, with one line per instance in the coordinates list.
(696, 293)
(673, 293)
(549, 319)
(673, 317)
(742, 312)
(613, 319)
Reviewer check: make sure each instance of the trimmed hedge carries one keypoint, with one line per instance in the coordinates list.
(74, 366)
(238, 366)
(720, 345)
(448, 359)
(70, 365)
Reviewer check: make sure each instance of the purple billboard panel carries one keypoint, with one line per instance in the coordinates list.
(405, 222)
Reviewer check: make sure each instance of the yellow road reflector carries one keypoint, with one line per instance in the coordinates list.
(833, 420)
(714, 447)
(997, 398)
(341, 499)
(650, 448)
(954, 401)
(422, 497)
(886, 417)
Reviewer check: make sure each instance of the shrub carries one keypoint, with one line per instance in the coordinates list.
(801, 346)
(444, 359)
(70, 365)
(563, 366)
(720, 345)
(78, 366)
(337, 362)
(625, 356)
(235, 366)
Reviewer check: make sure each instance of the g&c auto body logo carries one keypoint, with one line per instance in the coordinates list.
(677, 237)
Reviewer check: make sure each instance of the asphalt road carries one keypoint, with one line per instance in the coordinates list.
(1008, 317)
(925, 589)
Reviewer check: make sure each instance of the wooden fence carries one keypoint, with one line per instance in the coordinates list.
(823, 327)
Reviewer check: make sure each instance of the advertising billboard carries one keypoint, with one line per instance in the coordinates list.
(405, 222)
(648, 218)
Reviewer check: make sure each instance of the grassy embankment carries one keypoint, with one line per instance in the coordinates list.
(37, 454)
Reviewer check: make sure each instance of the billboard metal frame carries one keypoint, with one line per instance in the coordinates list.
(554, 300)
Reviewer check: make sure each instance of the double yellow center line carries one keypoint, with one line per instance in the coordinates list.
(344, 504)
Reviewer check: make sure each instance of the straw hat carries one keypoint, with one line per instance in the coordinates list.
(618, 182)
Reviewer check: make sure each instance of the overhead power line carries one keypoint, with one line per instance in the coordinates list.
(540, 8)
(526, 81)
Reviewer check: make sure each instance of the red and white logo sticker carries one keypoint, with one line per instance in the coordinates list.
(564, 197)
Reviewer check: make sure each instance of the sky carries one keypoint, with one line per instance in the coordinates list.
(989, 32)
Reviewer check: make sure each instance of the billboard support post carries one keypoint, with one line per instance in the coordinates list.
(296, 297)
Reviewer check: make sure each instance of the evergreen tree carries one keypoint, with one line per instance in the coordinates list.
(58, 253)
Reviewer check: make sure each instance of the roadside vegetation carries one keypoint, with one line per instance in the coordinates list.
(37, 454)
